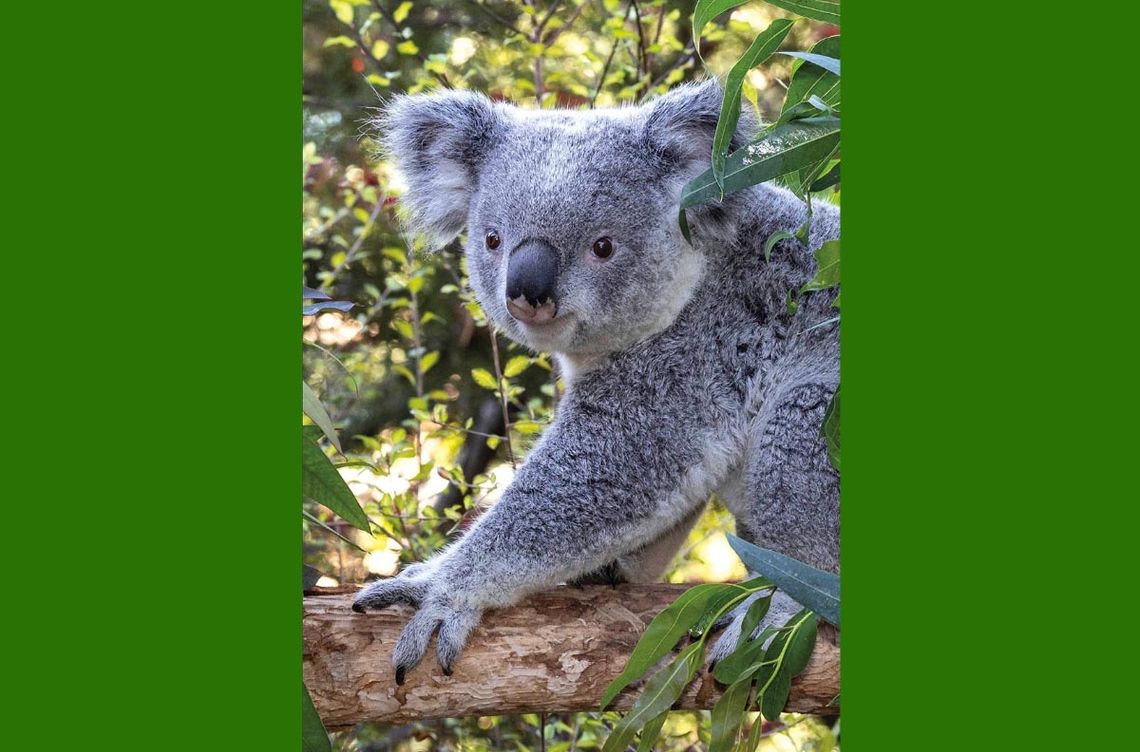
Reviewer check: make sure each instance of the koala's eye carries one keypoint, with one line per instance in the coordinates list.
(493, 240)
(603, 248)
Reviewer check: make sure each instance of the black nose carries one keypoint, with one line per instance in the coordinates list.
(532, 274)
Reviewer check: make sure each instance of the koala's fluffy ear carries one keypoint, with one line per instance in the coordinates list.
(438, 142)
(680, 124)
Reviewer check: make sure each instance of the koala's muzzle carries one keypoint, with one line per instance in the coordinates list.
(532, 274)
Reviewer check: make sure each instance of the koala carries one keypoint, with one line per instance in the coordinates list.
(687, 373)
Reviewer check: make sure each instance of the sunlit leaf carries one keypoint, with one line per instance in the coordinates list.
(380, 49)
(407, 47)
(516, 365)
(650, 733)
(706, 10)
(428, 360)
(484, 378)
(311, 406)
(820, 10)
(320, 482)
(811, 80)
(823, 61)
(401, 13)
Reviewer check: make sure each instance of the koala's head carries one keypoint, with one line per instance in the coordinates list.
(573, 245)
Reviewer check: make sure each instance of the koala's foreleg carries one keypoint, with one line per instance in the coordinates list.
(789, 499)
(579, 501)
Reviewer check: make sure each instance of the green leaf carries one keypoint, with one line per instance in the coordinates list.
(801, 646)
(322, 483)
(428, 360)
(707, 10)
(757, 611)
(760, 50)
(650, 733)
(661, 691)
(787, 148)
(813, 588)
(516, 365)
(774, 238)
(811, 80)
(826, 62)
(828, 180)
(341, 41)
(314, 738)
(662, 635)
(733, 593)
(820, 10)
(826, 267)
(309, 576)
(311, 406)
(401, 12)
(407, 47)
(484, 378)
(743, 661)
(727, 715)
(830, 430)
(775, 697)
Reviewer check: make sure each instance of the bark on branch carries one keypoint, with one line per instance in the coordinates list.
(556, 652)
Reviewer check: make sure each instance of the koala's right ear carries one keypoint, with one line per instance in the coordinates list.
(438, 142)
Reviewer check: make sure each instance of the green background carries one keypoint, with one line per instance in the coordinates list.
(988, 390)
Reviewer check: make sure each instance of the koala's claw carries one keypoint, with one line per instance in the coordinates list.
(400, 676)
(399, 589)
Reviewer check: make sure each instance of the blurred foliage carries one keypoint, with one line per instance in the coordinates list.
(413, 372)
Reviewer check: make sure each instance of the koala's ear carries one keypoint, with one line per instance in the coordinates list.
(680, 124)
(438, 142)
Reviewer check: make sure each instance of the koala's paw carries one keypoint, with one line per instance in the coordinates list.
(406, 588)
(781, 609)
(454, 625)
(422, 587)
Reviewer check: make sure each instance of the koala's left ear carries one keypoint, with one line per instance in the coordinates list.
(680, 125)
(438, 142)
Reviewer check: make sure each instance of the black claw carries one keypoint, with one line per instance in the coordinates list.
(446, 670)
(712, 665)
(400, 675)
(358, 608)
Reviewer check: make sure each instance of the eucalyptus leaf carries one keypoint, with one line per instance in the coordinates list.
(328, 305)
(826, 267)
(727, 714)
(760, 50)
(810, 587)
(811, 80)
(828, 180)
(733, 593)
(774, 238)
(830, 430)
(801, 645)
(314, 738)
(321, 482)
(661, 691)
(820, 10)
(650, 733)
(309, 576)
(756, 611)
(662, 634)
(775, 697)
(789, 147)
(828, 63)
(706, 10)
(308, 293)
(744, 661)
(311, 406)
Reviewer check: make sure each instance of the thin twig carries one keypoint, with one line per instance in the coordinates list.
(502, 392)
(497, 18)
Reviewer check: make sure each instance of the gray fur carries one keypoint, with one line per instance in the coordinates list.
(687, 375)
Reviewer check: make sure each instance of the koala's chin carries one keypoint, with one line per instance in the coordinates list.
(555, 336)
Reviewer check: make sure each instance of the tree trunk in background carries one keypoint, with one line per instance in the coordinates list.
(555, 652)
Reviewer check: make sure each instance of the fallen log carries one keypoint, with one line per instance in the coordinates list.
(554, 652)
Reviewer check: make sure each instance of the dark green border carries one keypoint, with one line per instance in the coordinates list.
(151, 528)
(988, 267)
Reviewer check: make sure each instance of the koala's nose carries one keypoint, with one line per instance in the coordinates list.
(532, 274)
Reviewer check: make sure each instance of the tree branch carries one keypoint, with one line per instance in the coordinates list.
(555, 652)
